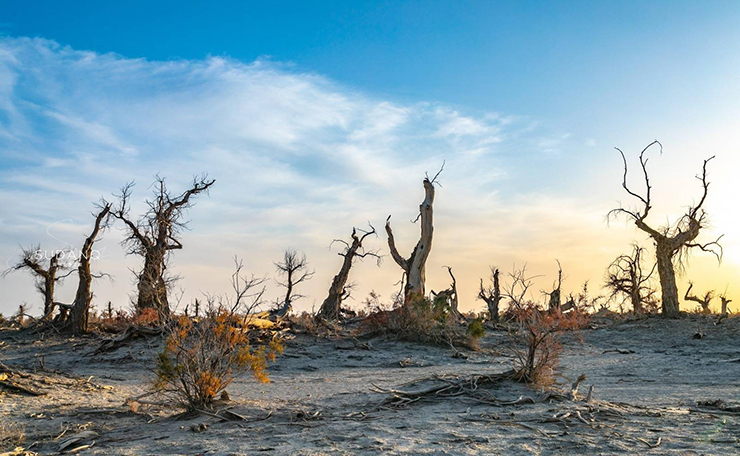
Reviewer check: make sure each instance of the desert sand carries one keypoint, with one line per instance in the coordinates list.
(656, 390)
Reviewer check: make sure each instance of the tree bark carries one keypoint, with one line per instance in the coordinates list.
(667, 275)
(492, 296)
(332, 305)
(415, 265)
(152, 286)
(78, 317)
(50, 281)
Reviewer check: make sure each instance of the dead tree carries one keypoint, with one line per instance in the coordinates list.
(80, 309)
(626, 276)
(154, 235)
(449, 296)
(491, 295)
(331, 308)
(672, 242)
(704, 301)
(554, 297)
(46, 276)
(414, 266)
(725, 302)
(294, 268)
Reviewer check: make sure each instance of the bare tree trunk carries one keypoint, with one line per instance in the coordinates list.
(491, 296)
(332, 305)
(636, 300)
(725, 301)
(50, 281)
(152, 286)
(415, 265)
(493, 305)
(287, 306)
(454, 301)
(667, 275)
(80, 309)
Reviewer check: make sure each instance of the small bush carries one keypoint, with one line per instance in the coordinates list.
(421, 320)
(146, 317)
(476, 329)
(201, 359)
(537, 347)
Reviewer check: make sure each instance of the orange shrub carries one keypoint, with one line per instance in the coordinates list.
(146, 317)
(537, 347)
(200, 359)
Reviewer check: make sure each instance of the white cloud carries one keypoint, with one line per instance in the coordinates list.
(298, 161)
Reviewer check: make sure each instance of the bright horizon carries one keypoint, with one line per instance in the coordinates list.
(331, 119)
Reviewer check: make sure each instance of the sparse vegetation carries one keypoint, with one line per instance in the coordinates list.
(201, 358)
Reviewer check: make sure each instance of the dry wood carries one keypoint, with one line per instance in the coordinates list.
(132, 332)
(414, 267)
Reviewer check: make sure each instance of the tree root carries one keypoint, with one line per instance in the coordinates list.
(131, 332)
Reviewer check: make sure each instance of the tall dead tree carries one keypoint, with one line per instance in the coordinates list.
(491, 295)
(154, 235)
(626, 276)
(704, 301)
(294, 267)
(80, 309)
(414, 266)
(47, 277)
(331, 308)
(672, 242)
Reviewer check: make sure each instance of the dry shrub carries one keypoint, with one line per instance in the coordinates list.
(146, 317)
(305, 321)
(537, 347)
(421, 320)
(116, 323)
(200, 359)
(315, 325)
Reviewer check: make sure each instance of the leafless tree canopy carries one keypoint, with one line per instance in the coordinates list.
(47, 276)
(673, 242)
(626, 276)
(155, 234)
(294, 271)
(331, 308)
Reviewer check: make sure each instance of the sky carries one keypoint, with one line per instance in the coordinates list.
(317, 117)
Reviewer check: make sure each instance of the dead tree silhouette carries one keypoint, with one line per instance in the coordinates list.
(331, 308)
(154, 235)
(673, 243)
(294, 268)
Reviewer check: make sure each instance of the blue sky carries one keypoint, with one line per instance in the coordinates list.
(313, 116)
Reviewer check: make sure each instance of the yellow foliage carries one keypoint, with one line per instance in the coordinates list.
(200, 360)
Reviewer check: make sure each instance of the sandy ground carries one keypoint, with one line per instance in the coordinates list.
(321, 402)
